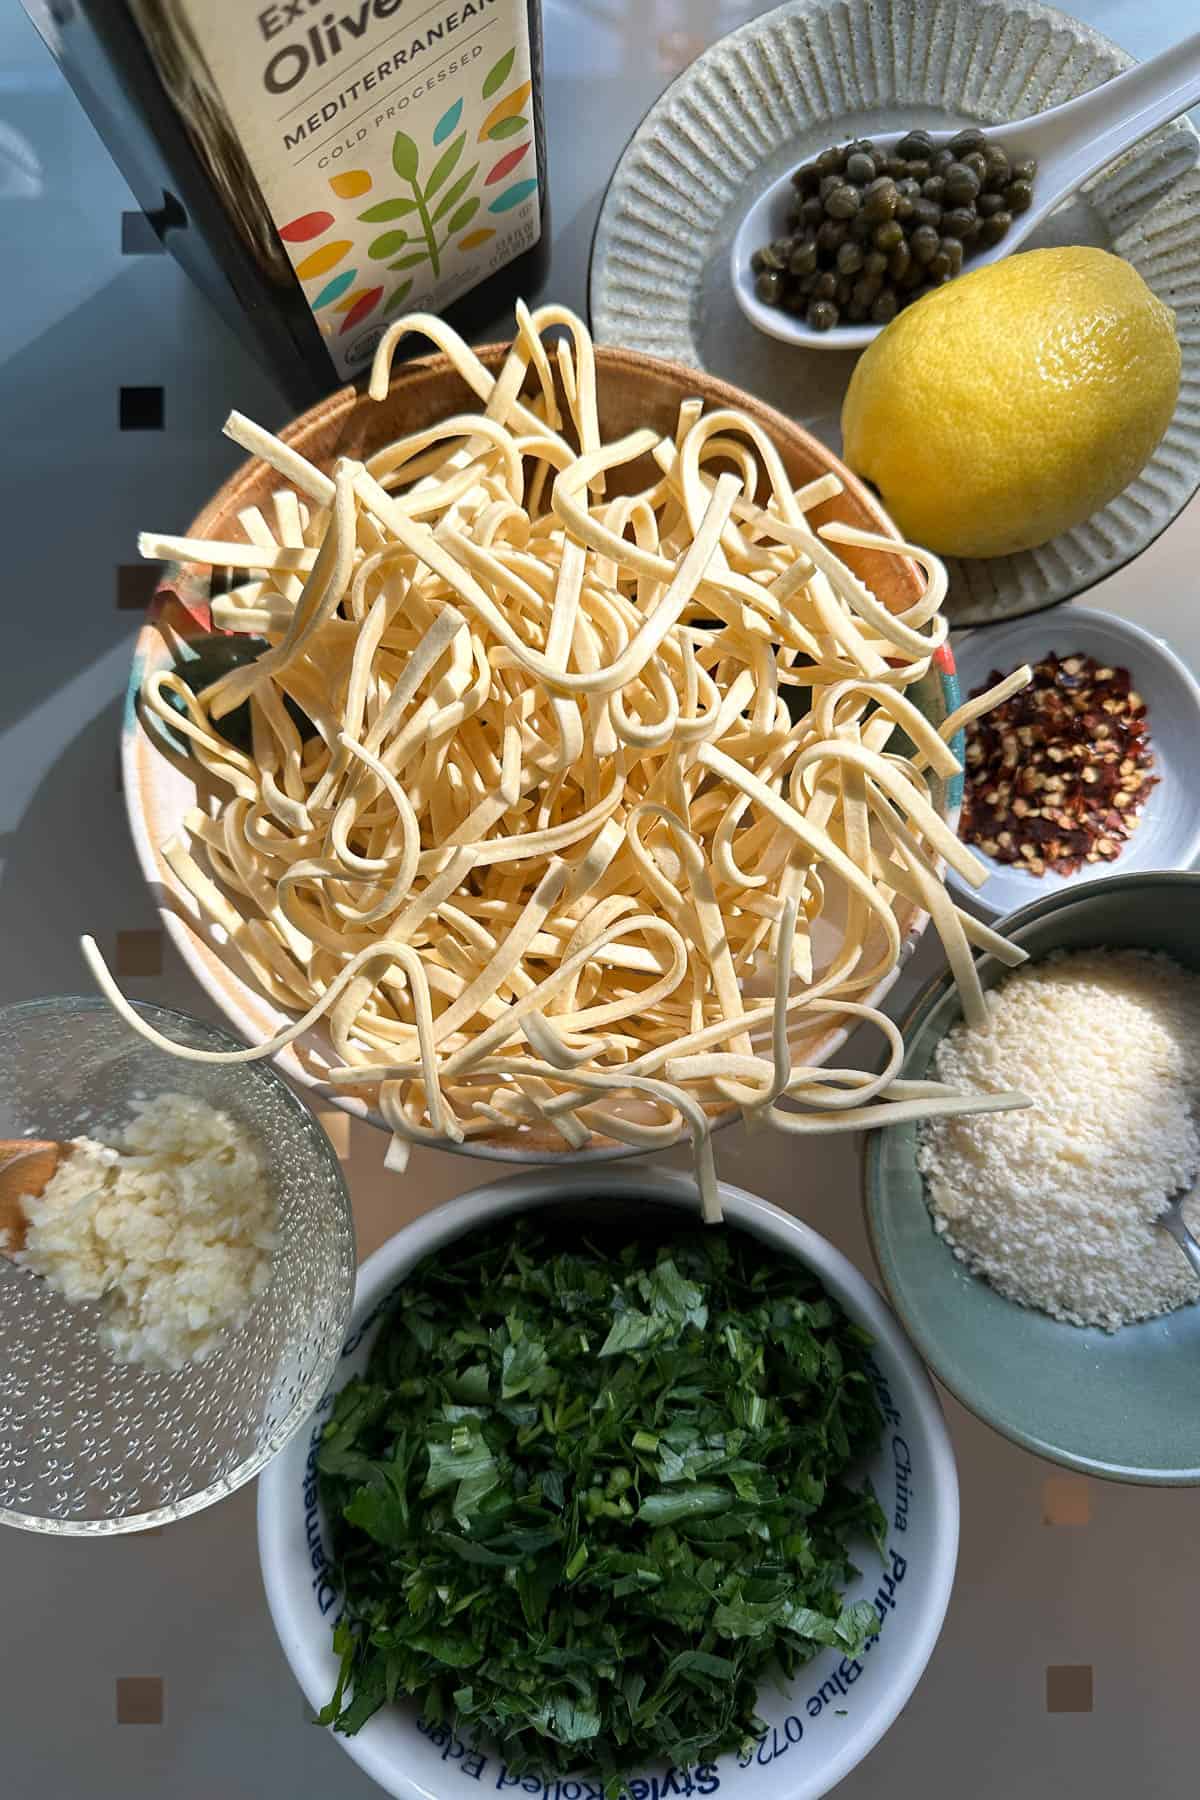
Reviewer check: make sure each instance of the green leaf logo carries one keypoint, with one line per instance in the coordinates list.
(387, 210)
(396, 299)
(465, 214)
(455, 193)
(498, 74)
(405, 157)
(410, 261)
(506, 127)
(387, 245)
(445, 165)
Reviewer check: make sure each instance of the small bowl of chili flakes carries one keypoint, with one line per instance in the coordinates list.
(1091, 770)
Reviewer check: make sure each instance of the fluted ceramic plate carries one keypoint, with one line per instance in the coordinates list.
(812, 73)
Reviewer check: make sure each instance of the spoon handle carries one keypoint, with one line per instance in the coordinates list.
(1074, 141)
(1173, 1222)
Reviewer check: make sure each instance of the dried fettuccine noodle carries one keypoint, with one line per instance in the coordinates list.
(557, 853)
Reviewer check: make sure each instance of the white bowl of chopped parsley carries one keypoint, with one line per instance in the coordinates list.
(605, 1502)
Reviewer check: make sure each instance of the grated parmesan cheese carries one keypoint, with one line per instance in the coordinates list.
(1055, 1204)
(171, 1228)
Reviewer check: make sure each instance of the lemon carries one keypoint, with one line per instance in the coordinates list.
(1014, 402)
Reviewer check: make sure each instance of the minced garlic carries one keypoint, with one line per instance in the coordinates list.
(171, 1229)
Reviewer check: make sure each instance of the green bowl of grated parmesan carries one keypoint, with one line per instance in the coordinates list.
(1019, 1250)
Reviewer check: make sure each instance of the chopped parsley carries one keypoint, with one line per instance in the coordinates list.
(593, 1492)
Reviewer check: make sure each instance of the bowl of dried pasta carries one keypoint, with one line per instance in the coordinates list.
(549, 752)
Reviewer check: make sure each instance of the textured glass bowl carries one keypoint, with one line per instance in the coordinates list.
(90, 1446)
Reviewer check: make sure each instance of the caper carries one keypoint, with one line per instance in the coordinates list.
(915, 144)
(857, 313)
(844, 202)
(962, 184)
(822, 315)
(924, 243)
(865, 224)
(966, 142)
(885, 309)
(879, 201)
(803, 259)
(998, 169)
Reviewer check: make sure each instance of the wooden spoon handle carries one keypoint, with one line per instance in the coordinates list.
(26, 1166)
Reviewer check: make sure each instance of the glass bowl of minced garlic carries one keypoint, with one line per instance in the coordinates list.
(177, 1266)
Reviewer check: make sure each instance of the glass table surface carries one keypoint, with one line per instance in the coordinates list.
(147, 1665)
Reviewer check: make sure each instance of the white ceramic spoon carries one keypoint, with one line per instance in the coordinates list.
(1071, 142)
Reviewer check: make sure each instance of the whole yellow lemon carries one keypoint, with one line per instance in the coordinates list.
(1014, 402)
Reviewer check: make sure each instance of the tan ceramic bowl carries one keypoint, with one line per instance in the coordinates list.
(634, 390)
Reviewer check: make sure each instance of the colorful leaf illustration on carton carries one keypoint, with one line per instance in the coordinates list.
(436, 208)
(447, 122)
(498, 74)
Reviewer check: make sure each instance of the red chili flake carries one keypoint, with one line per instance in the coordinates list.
(1057, 775)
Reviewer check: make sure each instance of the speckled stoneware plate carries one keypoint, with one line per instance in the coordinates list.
(1168, 831)
(812, 72)
(1126, 1404)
